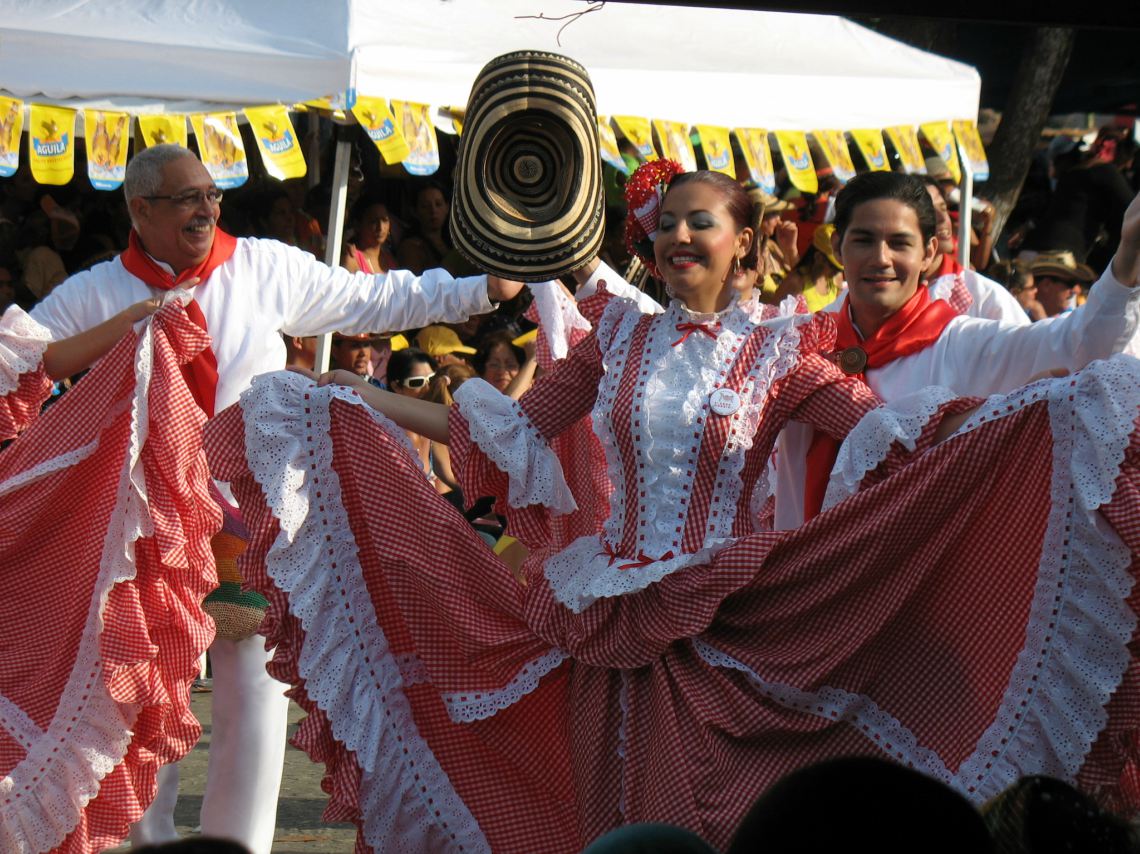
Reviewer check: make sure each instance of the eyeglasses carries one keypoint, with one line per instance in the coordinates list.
(191, 199)
(416, 382)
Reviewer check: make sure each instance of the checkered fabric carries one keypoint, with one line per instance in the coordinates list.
(24, 385)
(21, 407)
(104, 547)
(959, 297)
(919, 620)
(584, 461)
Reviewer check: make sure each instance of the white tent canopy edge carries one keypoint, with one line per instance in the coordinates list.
(722, 67)
(710, 66)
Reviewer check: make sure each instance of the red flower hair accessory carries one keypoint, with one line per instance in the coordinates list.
(643, 194)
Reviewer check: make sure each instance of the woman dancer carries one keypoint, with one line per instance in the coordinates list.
(673, 664)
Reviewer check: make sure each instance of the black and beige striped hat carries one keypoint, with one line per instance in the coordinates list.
(528, 200)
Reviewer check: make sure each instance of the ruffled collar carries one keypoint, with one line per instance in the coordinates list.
(687, 315)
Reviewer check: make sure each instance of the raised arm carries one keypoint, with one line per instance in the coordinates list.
(985, 357)
(420, 416)
(71, 355)
(317, 298)
(1126, 263)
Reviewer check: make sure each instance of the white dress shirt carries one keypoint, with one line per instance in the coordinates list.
(978, 356)
(267, 288)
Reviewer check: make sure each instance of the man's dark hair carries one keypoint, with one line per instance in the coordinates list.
(870, 186)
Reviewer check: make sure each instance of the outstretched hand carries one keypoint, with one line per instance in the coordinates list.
(501, 290)
(142, 310)
(1126, 264)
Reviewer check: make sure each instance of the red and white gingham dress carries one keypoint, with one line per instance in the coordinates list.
(105, 525)
(967, 611)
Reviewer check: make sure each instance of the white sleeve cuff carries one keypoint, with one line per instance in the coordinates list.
(557, 315)
(22, 345)
(619, 287)
(868, 445)
(509, 439)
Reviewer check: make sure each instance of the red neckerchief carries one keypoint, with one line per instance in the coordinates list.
(201, 373)
(913, 327)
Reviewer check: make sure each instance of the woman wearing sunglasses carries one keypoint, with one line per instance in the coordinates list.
(674, 663)
(410, 374)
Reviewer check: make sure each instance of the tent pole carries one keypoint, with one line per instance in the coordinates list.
(336, 228)
(965, 209)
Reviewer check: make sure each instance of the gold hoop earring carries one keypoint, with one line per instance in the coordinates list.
(736, 266)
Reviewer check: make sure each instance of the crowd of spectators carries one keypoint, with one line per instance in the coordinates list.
(1072, 202)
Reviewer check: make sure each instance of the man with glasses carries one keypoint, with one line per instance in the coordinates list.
(246, 294)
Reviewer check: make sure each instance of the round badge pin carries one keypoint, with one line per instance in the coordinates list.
(724, 401)
(852, 360)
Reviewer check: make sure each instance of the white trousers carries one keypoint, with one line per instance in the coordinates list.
(247, 750)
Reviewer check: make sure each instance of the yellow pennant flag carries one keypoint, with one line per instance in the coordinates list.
(941, 139)
(905, 141)
(717, 149)
(107, 135)
(380, 125)
(638, 131)
(608, 146)
(221, 148)
(51, 137)
(797, 159)
(870, 142)
(674, 143)
(277, 141)
(163, 130)
(334, 107)
(833, 143)
(758, 157)
(456, 115)
(967, 133)
(11, 126)
(414, 121)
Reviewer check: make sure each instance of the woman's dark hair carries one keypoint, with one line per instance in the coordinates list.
(431, 184)
(401, 362)
(735, 199)
(488, 345)
(871, 186)
(361, 205)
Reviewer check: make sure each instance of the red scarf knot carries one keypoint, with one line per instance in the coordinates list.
(201, 372)
(709, 329)
(912, 328)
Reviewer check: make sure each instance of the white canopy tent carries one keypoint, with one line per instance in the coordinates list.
(696, 65)
(712, 66)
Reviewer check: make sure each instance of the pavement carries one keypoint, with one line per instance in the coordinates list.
(300, 829)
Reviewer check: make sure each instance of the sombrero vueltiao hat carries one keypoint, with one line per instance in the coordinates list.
(1062, 265)
(528, 200)
(770, 204)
